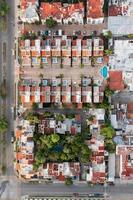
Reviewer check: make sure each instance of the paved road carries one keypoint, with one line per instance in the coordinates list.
(11, 190)
(117, 192)
(122, 97)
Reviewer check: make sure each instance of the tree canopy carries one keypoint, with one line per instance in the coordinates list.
(50, 22)
(3, 125)
(68, 181)
(4, 8)
(108, 132)
(61, 148)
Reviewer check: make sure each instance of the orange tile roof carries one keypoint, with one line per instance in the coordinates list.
(34, 53)
(18, 133)
(32, 98)
(95, 8)
(50, 9)
(58, 11)
(22, 99)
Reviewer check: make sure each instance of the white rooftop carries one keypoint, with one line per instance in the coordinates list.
(123, 55)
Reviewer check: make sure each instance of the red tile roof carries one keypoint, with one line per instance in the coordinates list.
(95, 8)
(115, 80)
(115, 10)
(58, 11)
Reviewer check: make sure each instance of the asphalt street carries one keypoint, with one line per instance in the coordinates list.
(117, 192)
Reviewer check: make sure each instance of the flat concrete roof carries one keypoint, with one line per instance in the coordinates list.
(120, 25)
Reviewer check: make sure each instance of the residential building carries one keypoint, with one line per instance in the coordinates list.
(66, 91)
(86, 51)
(95, 11)
(45, 91)
(116, 80)
(76, 92)
(123, 55)
(97, 171)
(62, 13)
(46, 53)
(98, 47)
(36, 52)
(120, 17)
(76, 52)
(98, 91)
(51, 10)
(86, 90)
(73, 13)
(28, 11)
(55, 91)
(125, 157)
(98, 120)
(56, 52)
(60, 171)
(121, 8)
(24, 92)
(66, 51)
(24, 153)
(25, 52)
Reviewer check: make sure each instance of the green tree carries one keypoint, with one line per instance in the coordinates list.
(110, 146)
(84, 158)
(36, 166)
(108, 52)
(108, 92)
(66, 149)
(50, 22)
(130, 36)
(63, 157)
(85, 150)
(3, 91)
(3, 125)
(40, 158)
(33, 119)
(60, 117)
(55, 138)
(108, 34)
(4, 8)
(53, 156)
(34, 106)
(108, 132)
(68, 181)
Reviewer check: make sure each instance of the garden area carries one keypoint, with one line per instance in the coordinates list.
(55, 147)
(60, 148)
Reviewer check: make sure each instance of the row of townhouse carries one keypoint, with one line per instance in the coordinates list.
(51, 125)
(63, 13)
(62, 91)
(96, 172)
(59, 51)
(24, 149)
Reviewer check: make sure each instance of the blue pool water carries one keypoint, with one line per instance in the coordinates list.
(104, 72)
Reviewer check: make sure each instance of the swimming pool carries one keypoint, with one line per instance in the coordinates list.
(104, 72)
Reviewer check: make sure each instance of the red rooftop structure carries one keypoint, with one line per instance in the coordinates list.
(116, 81)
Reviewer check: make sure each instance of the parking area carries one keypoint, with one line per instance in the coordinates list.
(35, 72)
(74, 29)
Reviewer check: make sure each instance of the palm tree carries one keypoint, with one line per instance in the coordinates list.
(108, 52)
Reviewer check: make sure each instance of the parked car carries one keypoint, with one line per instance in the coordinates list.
(12, 137)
